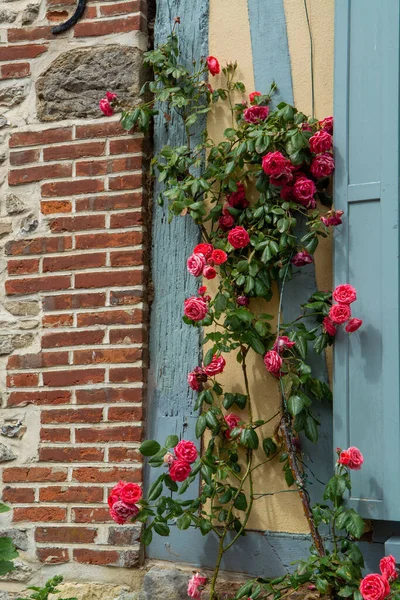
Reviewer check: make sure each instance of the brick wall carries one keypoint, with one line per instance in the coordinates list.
(73, 300)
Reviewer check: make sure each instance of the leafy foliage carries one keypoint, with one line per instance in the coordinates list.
(43, 593)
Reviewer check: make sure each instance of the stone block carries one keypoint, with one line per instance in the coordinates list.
(14, 205)
(9, 343)
(165, 584)
(22, 309)
(11, 95)
(6, 453)
(19, 538)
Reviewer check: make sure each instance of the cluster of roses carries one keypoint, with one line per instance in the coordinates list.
(376, 586)
(203, 259)
(340, 313)
(122, 501)
(199, 375)
(185, 453)
(350, 458)
(273, 360)
(107, 104)
(236, 200)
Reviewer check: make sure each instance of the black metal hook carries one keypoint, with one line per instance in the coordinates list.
(80, 9)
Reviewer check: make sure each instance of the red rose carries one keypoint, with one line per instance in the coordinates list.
(186, 451)
(205, 249)
(238, 237)
(329, 327)
(131, 493)
(226, 222)
(320, 142)
(238, 199)
(202, 290)
(253, 95)
(283, 178)
(273, 362)
(219, 257)
(301, 259)
(344, 458)
(327, 124)
(356, 458)
(323, 165)
(232, 421)
(274, 164)
(111, 96)
(213, 65)
(106, 107)
(345, 294)
(196, 585)
(216, 366)
(304, 190)
(121, 512)
(209, 272)
(287, 193)
(255, 114)
(179, 470)
(282, 342)
(387, 566)
(332, 218)
(353, 325)
(242, 300)
(195, 308)
(195, 264)
(115, 495)
(340, 313)
(196, 378)
(374, 587)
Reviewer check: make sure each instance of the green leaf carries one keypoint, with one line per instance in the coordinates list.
(171, 441)
(201, 425)
(269, 446)
(147, 536)
(231, 399)
(221, 302)
(295, 405)
(240, 502)
(245, 590)
(311, 429)
(149, 448)
(156, 489)
(249, 438)
(162, 529)
(184, 521)
(209, 356)
(4, 508)
(171, 485)
(322, 585)
(335, 488)
(257, 345)
(244, 315)
(346, 591)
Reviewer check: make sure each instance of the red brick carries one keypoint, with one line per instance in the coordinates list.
(29, 34)
(108, 434)
(127, 336)
(111, 202)
(53, 321)
(106, 475)
(125, 413)
(36, 361)
(38, 284)
(129, 258)
(91, 515)
(23, 267)
(107, 279)
(33, 174)
(132, 374)
(72, 415)
(68, 378)
(126, 182)
(56, 16)
(125, 297)
(121, 8)
(65, 535)
(71, 188)
(35, 138)
(50, 434)
(72, 338)
(15, 71)
(125, 146)
(116, 26)
(21, 52)
(96, 557)
(56, 206)
(67, 301)
(39, 514)
(39, 397)
(111, 317)
(61, 2)
(128, 455)
(108, 240)
(110, 355)
(74, 262)
(18, 495)
(99, 130)
(68, 454)
(63, 494)
(18, 159)
(109, 395)
(130, 219)
(52, 556)
(103, 167)
(22, 380)
(77, 223)
(33, 474)
(39, 246)
(72, 151)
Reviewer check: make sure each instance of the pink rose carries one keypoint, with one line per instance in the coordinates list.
(121, 512)
(238, 237)
(273, 362)
(327, 124)
(106, 107)
(352, 458)
(216, 366)
(111, 96)
(242, 300)
(186, 451)
(329, 327)
(340, 313)
(301, 259)
(196, 585)
(274, 164)
(332, 218)
(204, 249)
(131, 493)
(282, 342)
(232, 421)
(345, 294)
(219, 257)
(323, 165)
(320, 142)
(387, 566)
(283, 178)
(209, 272)
(179, 470)
(213, 65)
(226, 222)
(196, 378)
(195, 308)
(253, 95)
(287, 193)
(374, 587)
(304, 190)
(255, 114)
(238, 199)
(195, 264)
(202, 290)
(344, 458)
(353, 325)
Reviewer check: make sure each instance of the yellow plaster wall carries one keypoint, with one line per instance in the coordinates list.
(229, 41)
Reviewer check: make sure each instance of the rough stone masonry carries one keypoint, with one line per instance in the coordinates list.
(73, 289)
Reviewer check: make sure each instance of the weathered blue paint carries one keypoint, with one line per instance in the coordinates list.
(366, 374)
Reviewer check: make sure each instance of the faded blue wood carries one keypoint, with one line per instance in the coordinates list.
(366, 374)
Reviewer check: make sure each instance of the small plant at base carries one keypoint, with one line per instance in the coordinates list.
(43, 593)
(7, 549)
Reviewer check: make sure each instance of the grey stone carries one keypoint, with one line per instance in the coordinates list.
(11, 95)
(13, 430)
(73, 84)
(19, 538)
(29, 224)
(165, 584)
(22, 309)
(31, 324)
(5, 228)
(6, 453)
(22, 573)
(131, 596)
(9, 343)
(14, 205)
(30, 14)
(7, 16)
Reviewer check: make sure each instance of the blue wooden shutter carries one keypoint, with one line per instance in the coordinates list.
(366, 367)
